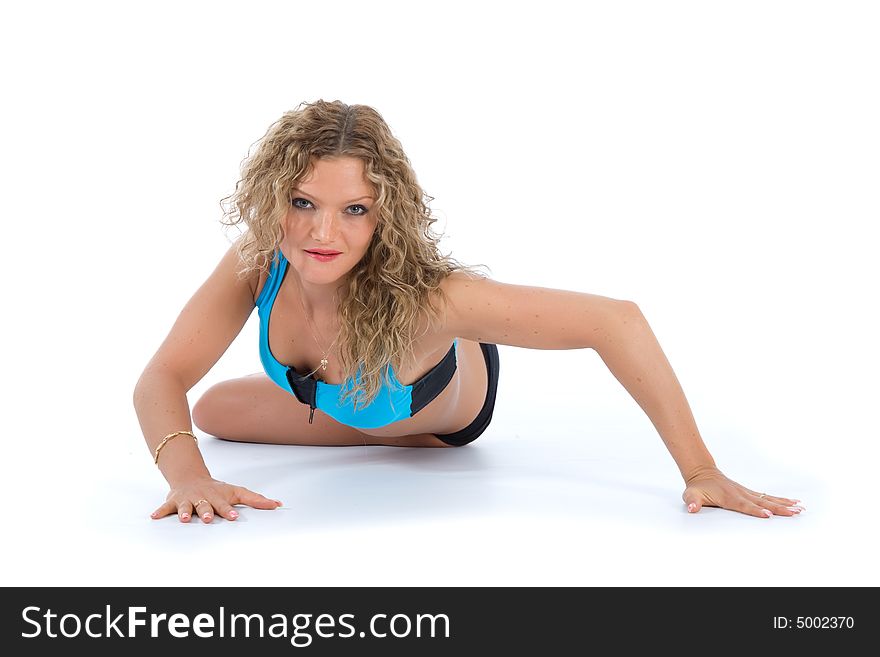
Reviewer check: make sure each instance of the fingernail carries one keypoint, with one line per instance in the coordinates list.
(278, 502)
(206, 516)
(184, 516)
(691, 506)
(233, 514)
(153, 514)
(767, 512)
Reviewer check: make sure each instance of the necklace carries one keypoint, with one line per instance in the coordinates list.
(324, 352)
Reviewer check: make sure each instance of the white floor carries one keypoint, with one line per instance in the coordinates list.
(558, 495)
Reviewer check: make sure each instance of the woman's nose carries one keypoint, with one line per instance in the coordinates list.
(326, 224)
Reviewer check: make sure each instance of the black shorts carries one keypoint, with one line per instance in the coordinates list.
(479, 425)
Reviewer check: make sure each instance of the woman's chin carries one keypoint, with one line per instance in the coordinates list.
(318, 273)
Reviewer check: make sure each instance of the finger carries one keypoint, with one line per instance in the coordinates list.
(780, 509)
(205, 510)
(760, 510)
(226, 511)
(779, 500)
(184, 511)
(164, 510)
(693, 501)
(784, 501)
(252, 499)
(777, 504)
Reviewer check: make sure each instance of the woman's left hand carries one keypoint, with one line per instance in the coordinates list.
(711, 488)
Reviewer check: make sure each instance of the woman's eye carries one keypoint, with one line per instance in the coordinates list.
(363, 209)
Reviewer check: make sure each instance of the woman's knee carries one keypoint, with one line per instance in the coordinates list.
(209, 411)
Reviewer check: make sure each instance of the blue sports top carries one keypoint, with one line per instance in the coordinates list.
(390, 405)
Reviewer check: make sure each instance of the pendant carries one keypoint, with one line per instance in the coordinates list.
(324, 362)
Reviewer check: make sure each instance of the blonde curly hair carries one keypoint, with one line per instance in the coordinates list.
(392, 290)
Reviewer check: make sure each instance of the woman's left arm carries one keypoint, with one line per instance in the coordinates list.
(543, 318)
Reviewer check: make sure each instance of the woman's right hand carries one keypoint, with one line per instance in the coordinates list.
(213, 496)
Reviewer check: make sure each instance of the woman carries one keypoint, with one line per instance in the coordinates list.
(375, 338)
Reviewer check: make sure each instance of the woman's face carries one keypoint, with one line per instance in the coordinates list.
(331, 209)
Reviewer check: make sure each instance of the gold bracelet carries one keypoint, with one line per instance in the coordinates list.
(169, 437)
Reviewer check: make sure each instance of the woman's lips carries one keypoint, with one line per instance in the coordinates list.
(320, 257)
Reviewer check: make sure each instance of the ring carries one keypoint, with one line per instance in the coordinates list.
(199, 502)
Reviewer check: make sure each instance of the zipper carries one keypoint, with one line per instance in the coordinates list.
(313, 397)
(305, 389)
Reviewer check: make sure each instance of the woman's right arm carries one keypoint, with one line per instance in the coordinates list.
(162, 408)
(202, 333)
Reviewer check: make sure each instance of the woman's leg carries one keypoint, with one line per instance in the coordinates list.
(254, 409)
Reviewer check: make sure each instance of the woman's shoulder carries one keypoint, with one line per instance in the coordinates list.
(455, 280)
(442, 301)
(260, 276)
(255, 275)
(258, 282)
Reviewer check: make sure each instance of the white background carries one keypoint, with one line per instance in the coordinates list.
(716, 163)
